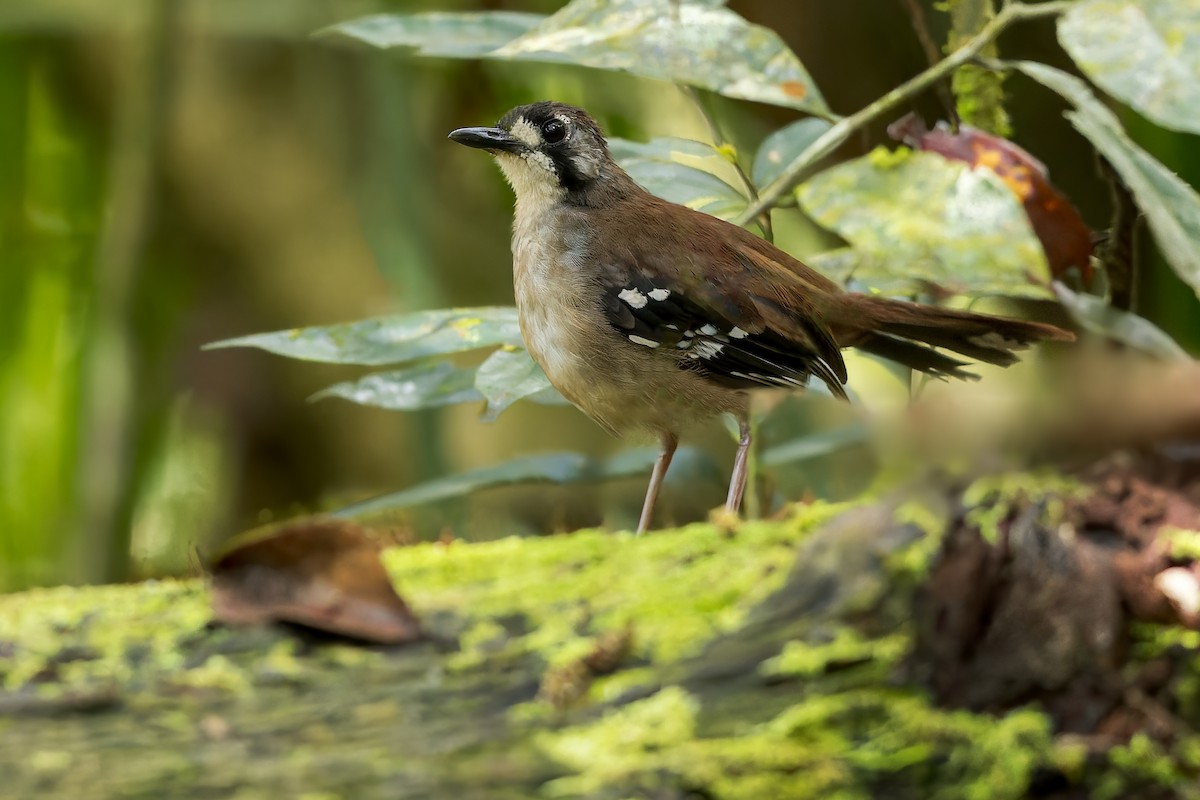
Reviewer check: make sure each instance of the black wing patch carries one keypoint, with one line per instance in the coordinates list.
(707, 341)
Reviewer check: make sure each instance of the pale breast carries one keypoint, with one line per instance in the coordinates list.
(619, 384)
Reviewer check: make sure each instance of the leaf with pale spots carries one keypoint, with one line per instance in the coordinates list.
(694, 42)
(391, 340)
(449, 35)
(509, 375)
(424, 386)
(659, 166)
(682, 41)
(1144, 52)
(915, 220)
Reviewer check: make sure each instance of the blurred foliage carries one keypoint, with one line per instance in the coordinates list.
(178, 173)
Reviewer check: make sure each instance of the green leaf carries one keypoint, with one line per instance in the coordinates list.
(425, 386)
(664, 148)
(781, 148)
(698, 44)
(1094, 314)
(508, 375)
(391, 340)
(1144, 52)
(449, 35)
(918, 217)
(1172, 207)
(658, 166)
(815, 445)
(560, 468)
(555, 468)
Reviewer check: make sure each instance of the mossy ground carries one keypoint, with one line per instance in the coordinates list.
(753, 674)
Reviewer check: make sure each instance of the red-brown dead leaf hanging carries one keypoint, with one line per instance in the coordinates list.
(321, 573)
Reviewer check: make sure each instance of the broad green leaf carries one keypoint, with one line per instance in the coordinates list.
(1144, 52)
(1097, 316)
(465, 35)
(815, 445)
(424, 386)
(556, 468)
(391, 340)
(781, 148)
(1172, 207)
(917, 217)
(664, 148)
(658, 166)
(698, 44)
(508, 375)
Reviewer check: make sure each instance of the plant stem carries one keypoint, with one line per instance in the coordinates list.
(843, 128)
(932, 54)
(719, 140)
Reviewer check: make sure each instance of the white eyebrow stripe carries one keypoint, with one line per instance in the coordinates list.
(523, 131)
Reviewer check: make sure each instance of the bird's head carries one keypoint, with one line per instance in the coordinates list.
(546, 150)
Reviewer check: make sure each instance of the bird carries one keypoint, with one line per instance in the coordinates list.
(649, 315)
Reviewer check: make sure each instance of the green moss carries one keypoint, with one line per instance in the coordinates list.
(995, 498)
(1141, 767)
(911, 564)
(885, 158)
(848, 744)
(677, 588)
(1182, 543)
(979, 93)
(834, 649)
(810, 705)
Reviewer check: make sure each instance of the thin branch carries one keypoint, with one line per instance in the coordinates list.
(718, 139)
(932, 54)
(1119, 254)
(841, 130)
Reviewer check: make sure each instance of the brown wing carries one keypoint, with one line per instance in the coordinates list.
(724, 298)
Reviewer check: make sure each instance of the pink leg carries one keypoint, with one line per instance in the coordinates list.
(737, 482)
(669, 442)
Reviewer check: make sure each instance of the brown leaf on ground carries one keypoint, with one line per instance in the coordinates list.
(321, 573)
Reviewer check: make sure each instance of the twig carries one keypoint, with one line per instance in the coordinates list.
(1119, 254)
(932, 54)
(843, 128)
(718, 139)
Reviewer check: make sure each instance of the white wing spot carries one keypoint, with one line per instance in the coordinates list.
(995, 341)
(634, 298)
(709, 349)
(643, 341)
(738, 333)
(708, 330)
(660, 294)
(689, 334)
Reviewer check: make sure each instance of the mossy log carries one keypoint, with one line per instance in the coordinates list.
(804, 657)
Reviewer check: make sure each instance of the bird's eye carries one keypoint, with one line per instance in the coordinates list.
(554, 131)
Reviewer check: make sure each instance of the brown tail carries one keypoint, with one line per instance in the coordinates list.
(907, 333)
